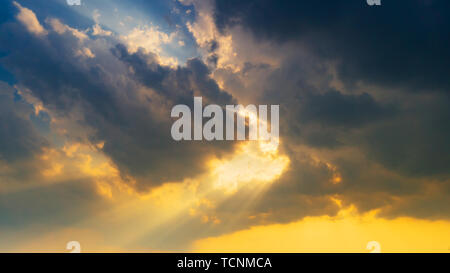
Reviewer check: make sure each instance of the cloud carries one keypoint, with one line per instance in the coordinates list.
(61, 28)
(353, 134)
(345, 102)
(98, 31)
(148, 38)
(19, 139)
(122, 100)
(29, 20)
(151, 40)
(415, 143)
(379, 46)
(21, 143)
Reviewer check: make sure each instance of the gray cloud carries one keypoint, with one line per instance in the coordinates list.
(377, 45)
(109, 93)
(386, 143)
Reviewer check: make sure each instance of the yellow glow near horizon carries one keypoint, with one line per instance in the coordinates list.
(347, 232)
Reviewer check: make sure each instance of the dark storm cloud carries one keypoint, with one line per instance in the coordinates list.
(416, 143)
(314, 112)
(388, 143)
(336, 109)
(401, 141)
(107, 90)
(399, 44)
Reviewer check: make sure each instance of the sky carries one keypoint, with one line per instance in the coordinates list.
(86, 153)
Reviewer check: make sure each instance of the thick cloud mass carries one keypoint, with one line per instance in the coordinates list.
(401, 44)
(125, 99)
(364, 118)
(385, 128)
